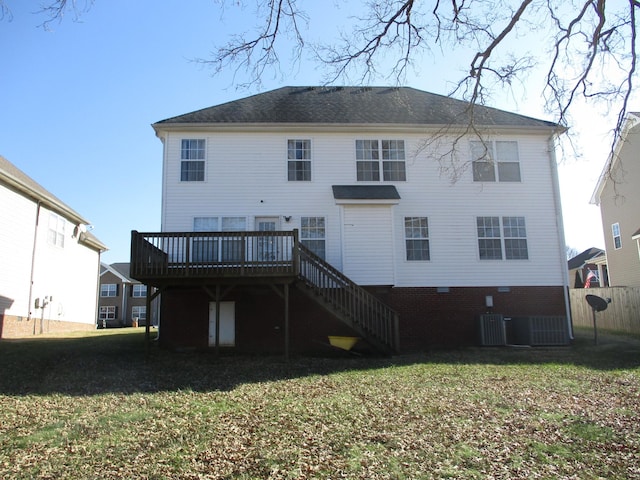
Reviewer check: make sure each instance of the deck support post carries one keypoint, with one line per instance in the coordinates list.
(286, 322)
(217, 320)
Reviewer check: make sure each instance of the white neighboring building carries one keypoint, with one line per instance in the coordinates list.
(47, 259)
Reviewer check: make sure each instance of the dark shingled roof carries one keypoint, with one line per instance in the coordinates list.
(365, 192)
(352, 105)
(579, 260)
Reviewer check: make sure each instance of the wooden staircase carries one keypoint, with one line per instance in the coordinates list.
(374, 321)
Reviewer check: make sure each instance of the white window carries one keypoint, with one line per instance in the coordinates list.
(416, 238)
(370, 154)
(192, 160)
(207, 249)
(502, 234)
(313, 235)
(299, 160)
(139, 290)
(107, 313)
(617, 238)
(493, 160)
(109, 290)
(139, 312)
(55, 235)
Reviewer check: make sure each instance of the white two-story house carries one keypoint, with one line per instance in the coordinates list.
(49, 262)
(397, 217)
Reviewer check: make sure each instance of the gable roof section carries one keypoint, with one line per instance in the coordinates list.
(120, 270)
(352, 106)
(581, 259)
(631, 121)
(20, 181)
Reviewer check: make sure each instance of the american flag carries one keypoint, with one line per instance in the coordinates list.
(590, 276)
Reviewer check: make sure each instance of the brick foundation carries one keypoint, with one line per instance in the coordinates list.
(428, 316)
(21, 327)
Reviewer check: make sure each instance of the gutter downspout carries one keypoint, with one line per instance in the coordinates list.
(560, 225)
(33, 261)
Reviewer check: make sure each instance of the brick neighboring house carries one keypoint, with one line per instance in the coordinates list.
(122, 301)
(588, 269)
(307, 212)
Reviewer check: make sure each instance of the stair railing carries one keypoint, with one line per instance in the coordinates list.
(363, 311)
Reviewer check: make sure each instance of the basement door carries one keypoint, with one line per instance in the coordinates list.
(367, 244)
(227, 324)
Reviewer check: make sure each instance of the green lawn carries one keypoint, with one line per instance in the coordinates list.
(94, 407)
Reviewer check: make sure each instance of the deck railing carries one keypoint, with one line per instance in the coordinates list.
(212, 254)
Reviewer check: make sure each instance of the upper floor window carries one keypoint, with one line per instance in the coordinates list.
(108, 290)
(495, 160)
(299, 160)
(372, 156)
(313, 235)
(416, 237)
(192, 160)
(617, 238)
(55, 234)
(502, 234)
(139, 290)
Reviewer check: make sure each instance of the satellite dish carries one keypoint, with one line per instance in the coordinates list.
(598, 303)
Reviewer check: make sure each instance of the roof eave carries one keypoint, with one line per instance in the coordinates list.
(405, 127)
(47, 200)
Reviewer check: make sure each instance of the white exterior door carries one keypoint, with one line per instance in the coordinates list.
(227, 324)
(267, 248)
(367, 239)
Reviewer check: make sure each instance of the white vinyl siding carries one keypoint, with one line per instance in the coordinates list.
(368, 244)
(252, 182)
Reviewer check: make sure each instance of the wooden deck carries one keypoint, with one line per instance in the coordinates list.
(216, 258)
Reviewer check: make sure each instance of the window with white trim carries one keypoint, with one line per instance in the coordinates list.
(617, 238)
(139, 290)
(502, 237)
(109, 290)
(313, 235)
(208, 249)
(107, 313)
(299, 160)
(416, 238)
(192, 160)
(139, 312)
(373, 156)
(55, 234)
(495, 160)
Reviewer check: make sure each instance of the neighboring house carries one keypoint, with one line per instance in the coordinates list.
(49, 261)
(618, 195)
(348, 195)
(588, 269)
(123, 300)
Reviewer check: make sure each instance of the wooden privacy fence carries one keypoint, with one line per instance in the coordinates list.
(622, 314)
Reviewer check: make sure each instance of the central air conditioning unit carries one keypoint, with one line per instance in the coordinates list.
(492, 330)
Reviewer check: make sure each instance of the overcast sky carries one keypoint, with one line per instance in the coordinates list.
(77, 102)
